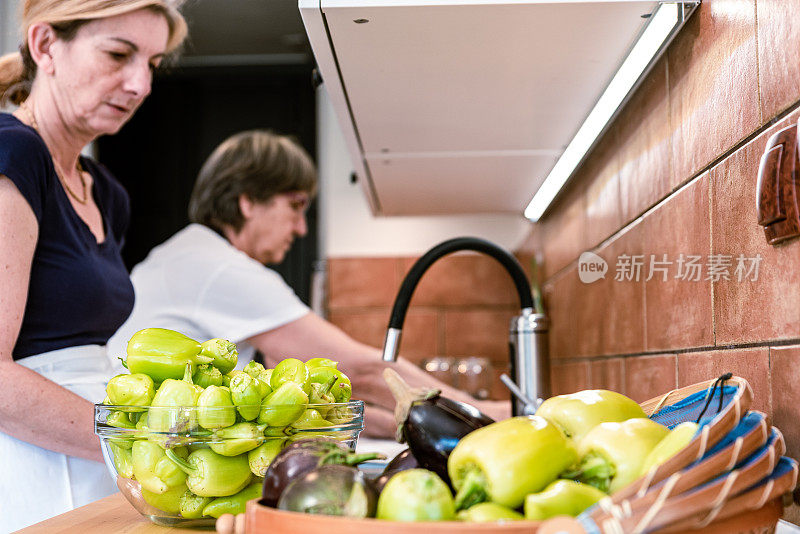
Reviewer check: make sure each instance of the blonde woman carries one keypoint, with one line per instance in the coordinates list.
(83, 69)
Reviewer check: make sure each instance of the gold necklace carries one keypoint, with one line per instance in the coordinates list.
(59, 172)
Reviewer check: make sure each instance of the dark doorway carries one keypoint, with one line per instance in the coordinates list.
(158, 153)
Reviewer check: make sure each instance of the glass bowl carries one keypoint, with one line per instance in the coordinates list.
(178, 429)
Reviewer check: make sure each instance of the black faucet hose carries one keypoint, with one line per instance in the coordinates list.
(454, 245)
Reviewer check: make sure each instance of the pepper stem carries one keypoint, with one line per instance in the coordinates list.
(597, 471)
(472, 491)
(405, 396)
(181, 463)
(123, 361)
(329, 385)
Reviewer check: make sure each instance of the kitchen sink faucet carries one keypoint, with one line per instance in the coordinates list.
(528, 332)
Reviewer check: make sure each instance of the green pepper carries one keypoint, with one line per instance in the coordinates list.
(131, 390)
(677, 439)
(260, 457)
(169, 501)
(153, 469)
(213, 475)
(227, 377)
(342, 389)
(504, 461)
(119, 419)
(234, 504)
(215, 408)
(577, 413)
(321, 362)
(311, 418)
(612, 454)
(191, 505)
(207, 375)
(283, 406)
(222, 352)
(253, 368)
(487, 512)
(562, 497)
(290, 370)
(246, 395)
(238, 439)
(123, 461)
(162, 354)
(165, 414)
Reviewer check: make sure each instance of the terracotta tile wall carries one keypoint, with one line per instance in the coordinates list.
(462, 306)
(683, 157)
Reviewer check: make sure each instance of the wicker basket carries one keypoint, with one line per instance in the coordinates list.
(695, 489)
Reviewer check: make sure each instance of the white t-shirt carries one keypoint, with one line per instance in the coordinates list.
(197, 283)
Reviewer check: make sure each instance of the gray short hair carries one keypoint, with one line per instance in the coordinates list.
(257, 164)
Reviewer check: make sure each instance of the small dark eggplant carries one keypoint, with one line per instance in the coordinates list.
(431, 424)
(331, 490)
(401, 462)
(303, 456)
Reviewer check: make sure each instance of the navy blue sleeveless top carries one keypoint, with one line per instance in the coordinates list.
(80, 291)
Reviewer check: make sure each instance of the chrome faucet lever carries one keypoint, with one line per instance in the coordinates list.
(527, 344)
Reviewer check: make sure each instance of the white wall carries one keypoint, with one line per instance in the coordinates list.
(348, 228)
(9, 32)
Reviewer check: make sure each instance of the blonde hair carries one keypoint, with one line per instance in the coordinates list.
(17, 70)
(255, 163)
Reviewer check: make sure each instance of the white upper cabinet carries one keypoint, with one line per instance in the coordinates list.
(453, 107)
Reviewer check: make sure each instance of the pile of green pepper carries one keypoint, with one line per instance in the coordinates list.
(575, 451)
(199, 435)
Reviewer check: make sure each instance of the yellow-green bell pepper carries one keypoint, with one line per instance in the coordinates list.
(213, 475)
(488, 512)
(164, 414)
(577, 413)
(162, 354)
(153, 469)
(135, 389)
(234, 504)
(169, 501)
(222, 352)
(677, 439)
(612, 454)
(504, 461)
(562, 497)
(191, 505)
(215, 408)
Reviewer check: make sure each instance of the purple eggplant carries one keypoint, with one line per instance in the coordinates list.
(401, 462)
(331, 490)
(303, 456)
(431, 424)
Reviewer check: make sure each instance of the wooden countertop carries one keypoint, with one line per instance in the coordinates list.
(106, 516)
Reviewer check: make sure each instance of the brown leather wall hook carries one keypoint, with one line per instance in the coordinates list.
(776, 197)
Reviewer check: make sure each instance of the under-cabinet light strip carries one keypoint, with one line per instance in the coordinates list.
(659, 28)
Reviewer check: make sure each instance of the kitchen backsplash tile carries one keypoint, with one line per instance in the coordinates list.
(713, 83)
(643, 134)
(477, 332)
(420, 329)
(778, 55)
(677, 296)
(561, 300)
(362, 282)
(620, 312)
(608, 374)
(760, 300)
(647, 377)
(463, 279)
(564, 232)
(569, 377)
(751, 364)
(602, 192)
(785, 373)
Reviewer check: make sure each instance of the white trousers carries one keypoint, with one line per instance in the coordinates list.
(37, 483)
